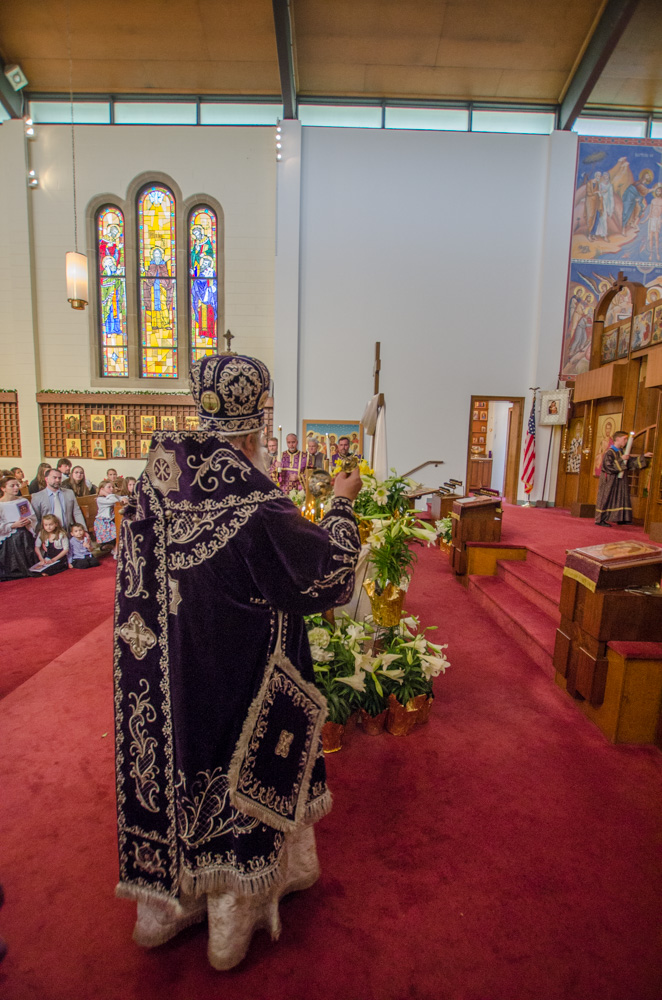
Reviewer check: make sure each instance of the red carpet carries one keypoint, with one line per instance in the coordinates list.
(503, 852)
(41, 618)
(551, 531)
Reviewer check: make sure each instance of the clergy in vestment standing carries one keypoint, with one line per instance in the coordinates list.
(220, 771)
(613, 505)
(292, 466)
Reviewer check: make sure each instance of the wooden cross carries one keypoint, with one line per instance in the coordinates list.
(228, 338)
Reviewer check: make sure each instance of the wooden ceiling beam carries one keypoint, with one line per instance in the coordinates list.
(284, 47)
(612, 24)
(11, 100)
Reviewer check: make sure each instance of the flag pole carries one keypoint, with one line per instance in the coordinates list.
(528, 473)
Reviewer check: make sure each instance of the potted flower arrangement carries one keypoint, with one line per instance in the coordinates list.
(391, 557)
(421, 661)
(392, 687)
(334, 664)
(444, 529)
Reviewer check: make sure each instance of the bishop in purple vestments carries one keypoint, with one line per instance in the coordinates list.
(220, 773)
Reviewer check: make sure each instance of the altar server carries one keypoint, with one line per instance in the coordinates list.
(613, 504)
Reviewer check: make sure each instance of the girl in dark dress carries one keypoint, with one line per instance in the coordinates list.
(52, 546)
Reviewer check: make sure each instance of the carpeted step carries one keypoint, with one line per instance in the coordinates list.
(529, 626)
(546, 561)
(533, 583)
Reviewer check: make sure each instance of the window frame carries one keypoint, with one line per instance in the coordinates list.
(128, 205)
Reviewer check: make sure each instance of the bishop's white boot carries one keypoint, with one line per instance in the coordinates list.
(232, 922)
(155, 925)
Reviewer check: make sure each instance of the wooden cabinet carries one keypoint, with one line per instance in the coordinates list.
(480, 473)
(600, 603)
(475, 519)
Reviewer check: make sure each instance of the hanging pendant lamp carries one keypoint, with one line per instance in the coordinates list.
(75, 262)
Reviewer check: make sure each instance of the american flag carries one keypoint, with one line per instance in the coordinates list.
(530, 451)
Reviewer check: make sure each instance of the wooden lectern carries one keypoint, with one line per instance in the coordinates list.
(475, 519)
(610, 592)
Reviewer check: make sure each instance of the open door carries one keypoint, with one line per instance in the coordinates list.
(495, 440)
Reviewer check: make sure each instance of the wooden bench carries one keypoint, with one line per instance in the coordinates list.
(88, 506)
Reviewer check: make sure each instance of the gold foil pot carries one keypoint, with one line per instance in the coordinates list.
(332, 737)
(401, 718)
(387, 606)
(365, 527)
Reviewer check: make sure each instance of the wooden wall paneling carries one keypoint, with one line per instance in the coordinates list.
(54, 406)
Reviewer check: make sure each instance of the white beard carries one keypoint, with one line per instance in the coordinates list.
(261, 459)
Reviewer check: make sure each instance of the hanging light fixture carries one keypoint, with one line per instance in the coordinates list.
(76, 263)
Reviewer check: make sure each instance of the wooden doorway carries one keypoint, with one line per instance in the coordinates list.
(501, 468)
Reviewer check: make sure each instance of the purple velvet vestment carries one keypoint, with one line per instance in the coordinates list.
(209, 553)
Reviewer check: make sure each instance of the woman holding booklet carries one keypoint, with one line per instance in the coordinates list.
(18, 524)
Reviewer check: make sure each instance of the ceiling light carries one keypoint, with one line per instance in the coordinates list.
(16, 77)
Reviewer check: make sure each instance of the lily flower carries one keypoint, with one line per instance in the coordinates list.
(356, 681)
(321, 655)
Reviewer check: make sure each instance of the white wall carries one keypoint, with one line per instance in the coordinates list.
(497, 439)
(236, 166)
(434, 244)
(449, 248)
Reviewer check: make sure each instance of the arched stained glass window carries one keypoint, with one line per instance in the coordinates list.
(112, 292)
(203, 282)
(158, 295)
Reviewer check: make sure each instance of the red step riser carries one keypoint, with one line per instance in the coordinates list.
(513, 629)
(542, 562)
(541, 601)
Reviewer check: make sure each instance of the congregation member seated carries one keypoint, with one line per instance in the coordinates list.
(78, 483)
(39, 481)
(80, 549)
(64, 466)
(18, 525)
(118, 483)
(130, 483)
(104, 523)
(52, 547)
(19, 475)
(55, 500)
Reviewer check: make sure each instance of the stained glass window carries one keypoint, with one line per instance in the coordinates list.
(203, 282)
(112, 292)
(158, 294)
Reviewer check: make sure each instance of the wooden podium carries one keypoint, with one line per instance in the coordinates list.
(475, 519)
(610, 592)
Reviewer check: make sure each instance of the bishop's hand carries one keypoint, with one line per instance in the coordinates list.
(348, 485)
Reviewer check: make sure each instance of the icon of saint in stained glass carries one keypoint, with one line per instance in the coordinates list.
(204, 284)
(158, 292)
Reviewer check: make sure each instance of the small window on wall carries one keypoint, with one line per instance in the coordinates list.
(203, 282)
(157, 250)
(112, 292)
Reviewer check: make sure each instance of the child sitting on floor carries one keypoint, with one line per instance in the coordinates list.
(80, 550)
(52, 546)
(104, 523)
